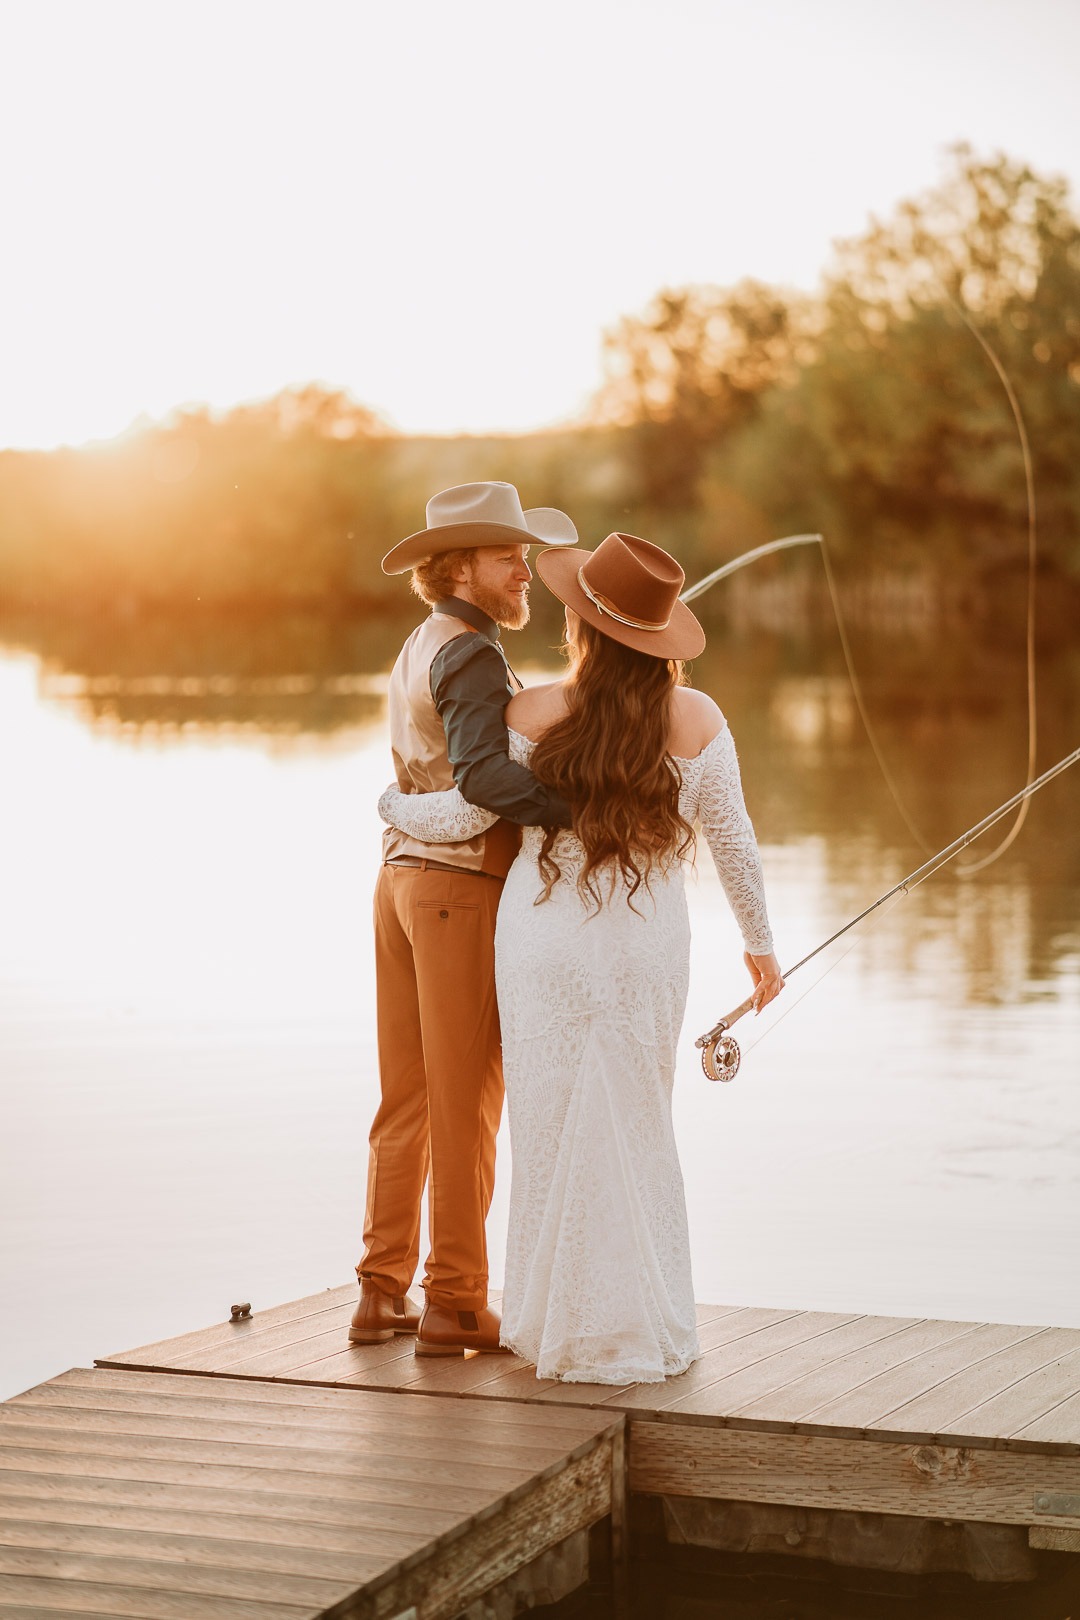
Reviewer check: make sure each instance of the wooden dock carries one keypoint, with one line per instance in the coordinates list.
(186, 1498)
(267, 1467)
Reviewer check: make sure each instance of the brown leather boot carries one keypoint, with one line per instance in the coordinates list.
(379, 1316)
(445, 1332)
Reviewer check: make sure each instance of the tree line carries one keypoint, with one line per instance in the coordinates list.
(868, 411)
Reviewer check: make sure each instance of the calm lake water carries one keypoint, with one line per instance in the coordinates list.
(189, 842)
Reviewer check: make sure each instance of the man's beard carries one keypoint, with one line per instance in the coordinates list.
(509, 611)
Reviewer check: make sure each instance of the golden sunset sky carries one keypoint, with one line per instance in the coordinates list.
(441, 206)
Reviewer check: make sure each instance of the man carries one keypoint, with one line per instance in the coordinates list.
(440, 1064)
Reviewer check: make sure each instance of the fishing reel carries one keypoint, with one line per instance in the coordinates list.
(720, 1056)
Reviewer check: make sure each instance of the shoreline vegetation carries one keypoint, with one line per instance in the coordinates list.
(867, 412)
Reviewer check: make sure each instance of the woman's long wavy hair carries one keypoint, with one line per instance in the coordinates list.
(608, 758)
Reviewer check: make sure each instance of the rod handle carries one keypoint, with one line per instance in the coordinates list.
(725, 1022)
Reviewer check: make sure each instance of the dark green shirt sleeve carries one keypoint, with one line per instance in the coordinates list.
(471, 687)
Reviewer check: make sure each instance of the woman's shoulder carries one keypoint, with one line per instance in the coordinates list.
(695, 721)
(535, 708)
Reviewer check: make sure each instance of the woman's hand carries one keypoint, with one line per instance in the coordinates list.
(767, 978)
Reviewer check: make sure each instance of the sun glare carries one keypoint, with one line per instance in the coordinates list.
(444, 215)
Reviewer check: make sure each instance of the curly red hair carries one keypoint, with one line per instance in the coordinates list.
(608, 758)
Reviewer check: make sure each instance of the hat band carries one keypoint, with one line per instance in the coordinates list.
(602, 605)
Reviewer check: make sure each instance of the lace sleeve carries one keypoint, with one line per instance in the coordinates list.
(434, 818)
(729, 834)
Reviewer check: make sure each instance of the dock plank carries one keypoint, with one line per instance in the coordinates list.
(294, 1508)
(258, 1557)
(1060, 1423)
(750, 1388)
(226, 1334)
(776, 1331)
(52, 1405)
(385, 1456)
(393, 1407)
(29, 1515)
(865, 1406)
(308, 1592)
(1032, 1398)
(942, 1409)
(189, 1471)
(795, 1401)
(28, 1597)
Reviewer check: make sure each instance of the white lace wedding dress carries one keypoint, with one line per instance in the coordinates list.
(598, 1286)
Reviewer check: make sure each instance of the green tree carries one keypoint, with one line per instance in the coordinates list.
(690, 371)
(911, 422)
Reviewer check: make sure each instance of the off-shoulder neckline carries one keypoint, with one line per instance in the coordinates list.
(680, 759)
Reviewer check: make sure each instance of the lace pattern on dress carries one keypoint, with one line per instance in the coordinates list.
(598, 1286)
(434, 818)
(712, 795)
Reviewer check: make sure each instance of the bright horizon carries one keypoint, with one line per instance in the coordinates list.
(441, 211)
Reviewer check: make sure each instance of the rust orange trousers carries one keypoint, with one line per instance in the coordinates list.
(441, 1085)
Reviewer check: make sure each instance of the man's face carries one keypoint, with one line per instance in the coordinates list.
(497, 582)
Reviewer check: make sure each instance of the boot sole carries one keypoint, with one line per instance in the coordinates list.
(377, 1336)
(423, 1349)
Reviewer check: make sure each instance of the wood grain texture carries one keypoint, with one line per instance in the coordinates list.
(794, 1401)
(495, 1545)
(941, 1409)
(1054, 1539)
(917, 1379)
(25, 1597)
(740, 1344)
(191, 1577)
(863, 1476)
(225, 1335)
(749, 1389)
(920, 1380)
(1061, 1424)
(27, 1519)
(243, 1403)
(104, 1494)
(163, 1494)
(867, 1405)
(1029, 1400)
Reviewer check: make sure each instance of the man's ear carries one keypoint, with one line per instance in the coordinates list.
(461, 571)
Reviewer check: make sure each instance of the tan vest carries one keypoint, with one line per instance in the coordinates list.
(421, 764)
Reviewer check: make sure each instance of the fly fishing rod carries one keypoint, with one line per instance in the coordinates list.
(748, 557)
(720, 1055)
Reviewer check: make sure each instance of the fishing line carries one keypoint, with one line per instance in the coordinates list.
(822, 976)
(1029, 479)
(720, 1055)
(969, 868)
(965, 869)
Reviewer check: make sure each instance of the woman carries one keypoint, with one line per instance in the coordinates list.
(592, 964)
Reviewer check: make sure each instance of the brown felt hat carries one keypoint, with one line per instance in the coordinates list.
(471, 515)
(629, 590)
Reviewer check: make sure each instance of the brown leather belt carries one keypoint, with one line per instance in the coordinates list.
(425, 865)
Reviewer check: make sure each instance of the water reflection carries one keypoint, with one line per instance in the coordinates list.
(288, 675)
(950, 720)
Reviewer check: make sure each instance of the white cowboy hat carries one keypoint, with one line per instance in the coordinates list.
(479, 515)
